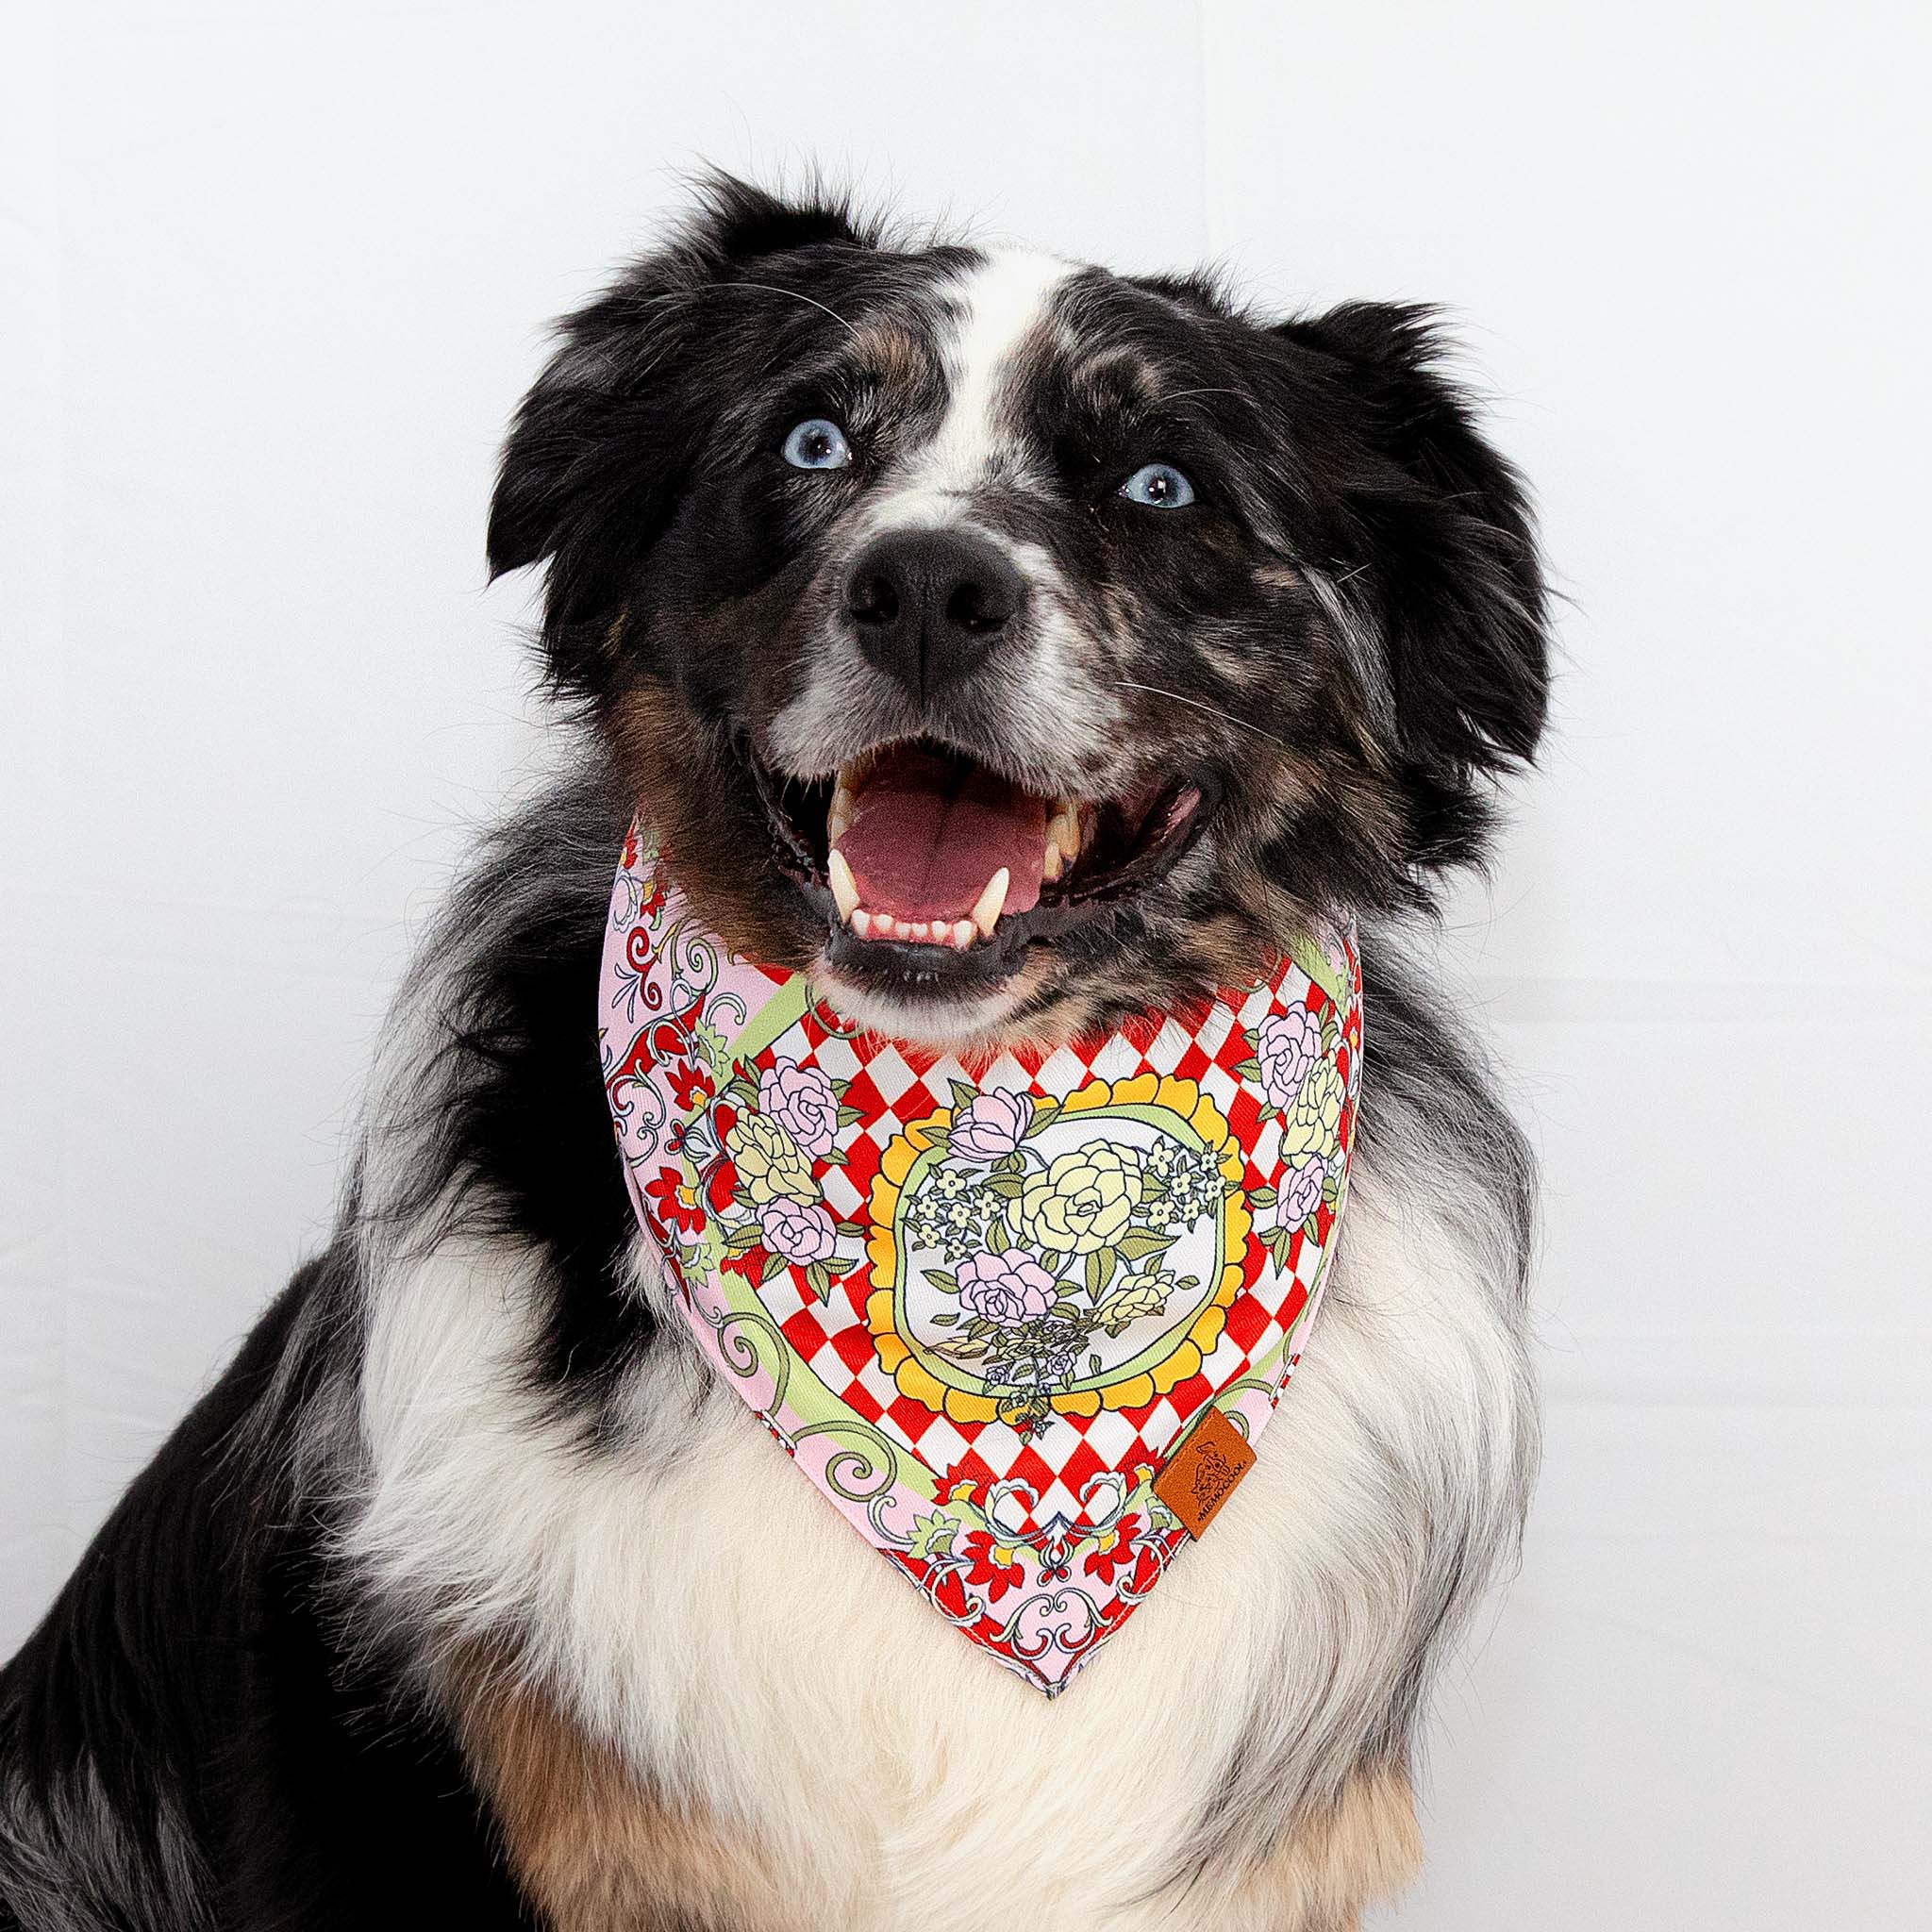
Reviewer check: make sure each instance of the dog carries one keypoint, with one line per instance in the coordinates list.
(468, 1595)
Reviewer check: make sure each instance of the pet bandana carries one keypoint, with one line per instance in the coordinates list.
(1020, 1326)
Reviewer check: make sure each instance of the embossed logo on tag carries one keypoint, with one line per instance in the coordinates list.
(1204, 1472)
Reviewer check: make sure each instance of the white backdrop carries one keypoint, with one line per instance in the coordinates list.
(271, 280)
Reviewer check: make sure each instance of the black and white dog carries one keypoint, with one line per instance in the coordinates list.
(468, 1596)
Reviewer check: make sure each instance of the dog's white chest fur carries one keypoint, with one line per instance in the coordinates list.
(693, 1602)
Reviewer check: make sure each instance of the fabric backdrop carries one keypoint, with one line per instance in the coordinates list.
(271, 281)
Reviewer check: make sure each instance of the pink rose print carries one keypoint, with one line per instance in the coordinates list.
(1336, 952)
(1299, 1190)
(802, 1102)
(991, 1126)
(1008, 1289)
(1287, 1045)
(801, 1233)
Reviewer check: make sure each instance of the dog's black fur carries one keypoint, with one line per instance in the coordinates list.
(190, 1738)
(1359, 573)
(217, 1726)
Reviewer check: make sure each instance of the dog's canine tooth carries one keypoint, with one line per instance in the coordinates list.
(986, 915)
(1056, 859)
(844, 887)
(839, 815)
(1062, 838)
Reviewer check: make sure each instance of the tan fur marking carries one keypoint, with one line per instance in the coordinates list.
(890, 352)
(592, 1849)
(666, 759)
(595, 1851)
(1363, 1848)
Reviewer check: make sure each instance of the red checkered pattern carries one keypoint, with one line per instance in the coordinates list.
(891, 1088)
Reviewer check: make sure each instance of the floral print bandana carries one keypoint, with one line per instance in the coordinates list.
(990, 1313)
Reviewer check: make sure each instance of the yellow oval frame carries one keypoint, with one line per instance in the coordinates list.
(913, 1379)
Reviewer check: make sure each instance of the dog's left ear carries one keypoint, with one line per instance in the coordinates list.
(600, 446)
(1442, 564)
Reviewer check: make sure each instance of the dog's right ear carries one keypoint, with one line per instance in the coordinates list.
(594, 460)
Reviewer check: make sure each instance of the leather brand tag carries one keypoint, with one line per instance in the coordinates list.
(1205, 1470)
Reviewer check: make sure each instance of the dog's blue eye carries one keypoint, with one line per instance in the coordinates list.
(817, 445)
(1160, 486)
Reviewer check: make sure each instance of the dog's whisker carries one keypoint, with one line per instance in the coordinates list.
(797, 295)
(1160, 691)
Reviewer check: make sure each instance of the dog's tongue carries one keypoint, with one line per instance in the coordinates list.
(928, 830)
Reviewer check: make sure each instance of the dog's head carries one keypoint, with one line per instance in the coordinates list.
(1011, 644)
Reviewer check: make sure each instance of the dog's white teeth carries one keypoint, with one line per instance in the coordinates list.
(844, 887)
(992, 902)
(959, 934)
(838, 817)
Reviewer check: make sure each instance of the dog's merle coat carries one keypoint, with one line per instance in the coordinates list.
(241, 1710)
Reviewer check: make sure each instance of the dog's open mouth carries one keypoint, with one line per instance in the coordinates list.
(930, 866)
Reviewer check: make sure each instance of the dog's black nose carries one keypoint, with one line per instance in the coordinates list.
(929, 606)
